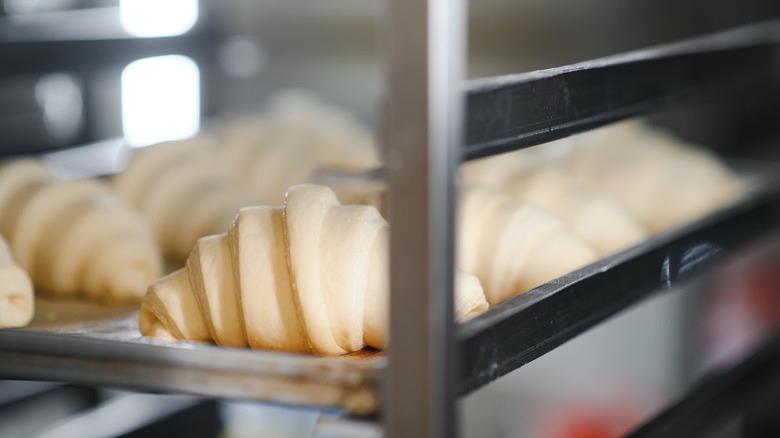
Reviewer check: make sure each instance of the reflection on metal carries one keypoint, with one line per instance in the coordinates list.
(90, 160)
(699, 254)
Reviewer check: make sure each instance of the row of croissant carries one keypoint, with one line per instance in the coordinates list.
(300, 271)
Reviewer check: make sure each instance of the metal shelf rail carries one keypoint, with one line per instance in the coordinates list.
(426, 49)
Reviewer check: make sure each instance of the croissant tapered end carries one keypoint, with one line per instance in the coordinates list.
(151, 326)
(17, 303)
(170, 307)
(470, 300)
(513, 247)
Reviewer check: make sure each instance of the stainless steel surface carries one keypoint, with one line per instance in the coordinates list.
(91, 344)
(120, 415)
(90, 160)
(426, 46)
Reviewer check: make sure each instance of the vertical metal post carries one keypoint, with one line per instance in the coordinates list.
(426, 46)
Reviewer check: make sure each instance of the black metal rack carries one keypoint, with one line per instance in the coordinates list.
(512, 112)
(534, 323)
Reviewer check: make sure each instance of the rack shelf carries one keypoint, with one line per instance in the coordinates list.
(112, 352)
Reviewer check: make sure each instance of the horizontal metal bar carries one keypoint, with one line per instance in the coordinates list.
(534, 323)
(31, 57)
(113, 353)
(515, 111)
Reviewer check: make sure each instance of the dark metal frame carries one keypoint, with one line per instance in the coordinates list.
(512, 112)
(536, 322)
(515, 111)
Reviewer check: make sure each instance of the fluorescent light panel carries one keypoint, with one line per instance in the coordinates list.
(158, 18)
(160, 99)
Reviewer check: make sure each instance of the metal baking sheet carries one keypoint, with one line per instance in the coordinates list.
(92, 344)
(88, 343)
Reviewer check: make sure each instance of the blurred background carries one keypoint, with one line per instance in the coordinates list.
(80, 71)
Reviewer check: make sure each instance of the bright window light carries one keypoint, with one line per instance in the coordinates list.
(160, 99)
(157, 18)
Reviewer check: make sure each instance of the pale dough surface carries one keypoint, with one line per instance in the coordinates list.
(308, 276)
(17, 301)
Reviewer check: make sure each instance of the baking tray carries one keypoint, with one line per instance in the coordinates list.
(91, 344)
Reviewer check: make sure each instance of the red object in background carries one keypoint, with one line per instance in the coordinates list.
(741, 308)
(587, 427)
(763, 292)
(610, 418)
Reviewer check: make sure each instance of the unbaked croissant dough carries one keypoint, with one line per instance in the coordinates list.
(309, 276)
(17, 303)
(512, 247)
(286, 145)
(183, 192)
(661, 181)
(191, 188)
(75, 237)
(613, 186)
(600, 221)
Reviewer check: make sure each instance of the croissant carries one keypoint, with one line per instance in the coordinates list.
(267, 160)
(513, 247)
(536, 176)
(75, 237)
(661, 181)
(182, 192)
(297, 135)
(309, 276)
(17, 303)
(599, 220)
